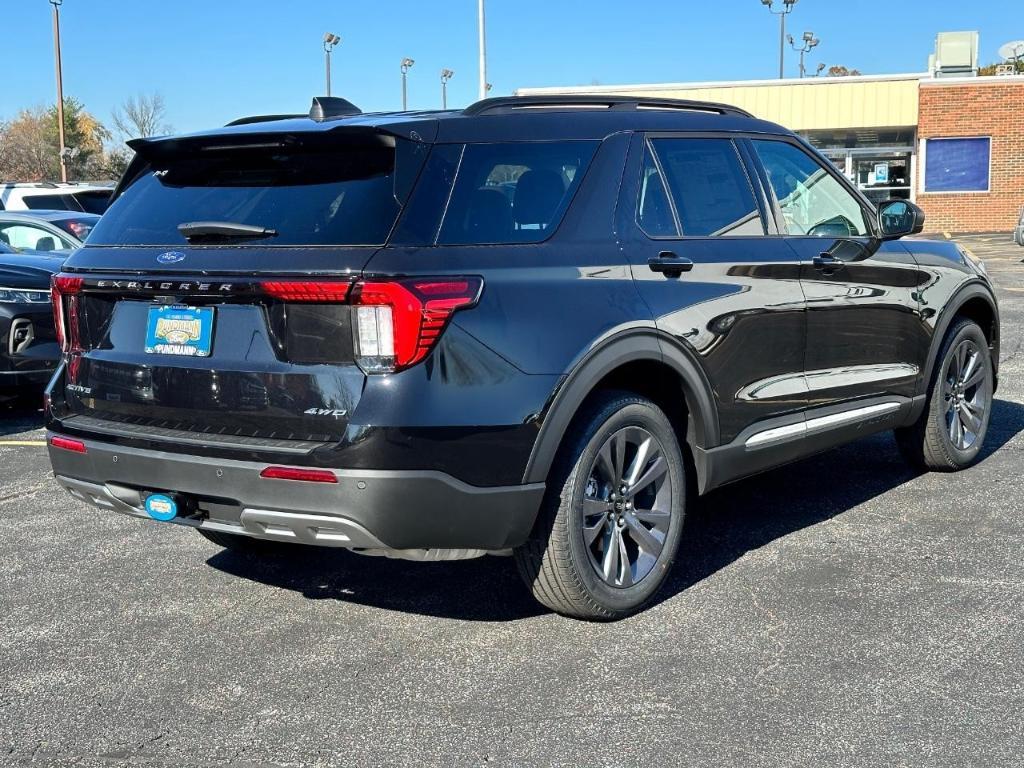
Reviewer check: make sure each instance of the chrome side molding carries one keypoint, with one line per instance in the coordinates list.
(818, 424)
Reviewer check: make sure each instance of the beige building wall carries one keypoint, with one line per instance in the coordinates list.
(800, 105)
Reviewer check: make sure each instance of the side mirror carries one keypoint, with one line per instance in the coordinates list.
(897, 218)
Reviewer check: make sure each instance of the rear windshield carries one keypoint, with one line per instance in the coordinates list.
(331, 196)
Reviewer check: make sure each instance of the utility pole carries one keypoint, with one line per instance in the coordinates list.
(60, 89)
(446, 75)
(330, 40)
(406, 63)
(483, 50)
(787, 8)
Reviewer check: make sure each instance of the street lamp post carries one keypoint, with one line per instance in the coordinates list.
(809, 42)
(482, 33)
(330, 40)
(406, 63)
(446, 75)
(787, 8)
(60, 89)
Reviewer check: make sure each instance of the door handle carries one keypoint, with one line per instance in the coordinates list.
(826, 262)
(670, 264)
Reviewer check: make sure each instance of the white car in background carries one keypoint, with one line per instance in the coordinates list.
(77, 196)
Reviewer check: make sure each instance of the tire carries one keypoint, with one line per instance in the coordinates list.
(586, 576)
(947, 438)
(247, 545)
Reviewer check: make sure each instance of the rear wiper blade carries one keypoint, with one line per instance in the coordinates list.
(197, 229)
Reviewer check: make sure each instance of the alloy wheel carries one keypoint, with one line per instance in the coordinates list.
(965, 391)
(627, 507)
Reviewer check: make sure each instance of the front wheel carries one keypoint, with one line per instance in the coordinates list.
(950, 432)
(610, 524)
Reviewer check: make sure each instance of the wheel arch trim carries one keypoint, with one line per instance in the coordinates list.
(967, 292)
(622, 348)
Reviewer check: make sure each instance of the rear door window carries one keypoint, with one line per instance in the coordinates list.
(709, 187)
(32, 238)
(337, 195)
(513, 192)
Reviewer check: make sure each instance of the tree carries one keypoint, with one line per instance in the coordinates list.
(137, 117)
(838, 70)
(141, 117)
(25, 151)
(30, 147)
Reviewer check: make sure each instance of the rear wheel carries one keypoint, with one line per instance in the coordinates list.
(950, 432)
(611, 520)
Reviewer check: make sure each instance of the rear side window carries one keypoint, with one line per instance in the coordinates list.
(710, 189)
(336, 195)
(513, 193)
(52, 203)
(93, 201)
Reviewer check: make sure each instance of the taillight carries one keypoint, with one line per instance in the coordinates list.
(298, 473)
(67, 331)
(307, 291)
(67, 444)
(398, 322)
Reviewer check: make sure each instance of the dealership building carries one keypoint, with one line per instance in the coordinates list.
(954, 144)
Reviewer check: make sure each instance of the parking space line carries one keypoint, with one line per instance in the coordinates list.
(24, 443)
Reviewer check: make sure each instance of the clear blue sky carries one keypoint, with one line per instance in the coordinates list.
(214, 60)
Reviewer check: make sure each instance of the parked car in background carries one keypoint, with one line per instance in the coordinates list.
(90, 198)
(535, 326)
(46, 230)
(29, 352)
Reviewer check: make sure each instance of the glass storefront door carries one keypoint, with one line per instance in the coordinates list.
(880, 162)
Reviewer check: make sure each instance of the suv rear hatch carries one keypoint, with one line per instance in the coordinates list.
(211, 305)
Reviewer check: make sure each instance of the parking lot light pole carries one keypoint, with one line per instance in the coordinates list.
(482, 32)
(330, 40)
(60, 89)
(446, 75)
(406, 63)
(787, 8)
(809, 42)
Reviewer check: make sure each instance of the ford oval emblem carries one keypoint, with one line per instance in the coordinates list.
(171, 257)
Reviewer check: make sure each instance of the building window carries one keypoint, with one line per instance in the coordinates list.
(957, 165)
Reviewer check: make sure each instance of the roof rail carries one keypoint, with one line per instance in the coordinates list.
(597, 100)
(261, 119)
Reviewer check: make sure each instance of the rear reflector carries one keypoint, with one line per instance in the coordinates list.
(296, 473)
(68, 444)
(307, 291)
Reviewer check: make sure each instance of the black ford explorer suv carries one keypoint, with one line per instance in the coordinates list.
(528, 327)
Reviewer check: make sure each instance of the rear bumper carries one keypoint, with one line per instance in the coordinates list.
(373, 509)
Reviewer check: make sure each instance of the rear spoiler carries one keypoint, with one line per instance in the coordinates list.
(150, 150)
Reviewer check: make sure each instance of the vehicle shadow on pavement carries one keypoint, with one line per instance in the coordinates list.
(16, 418)
(720, 528)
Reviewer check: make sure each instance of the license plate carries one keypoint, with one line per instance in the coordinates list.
(177, 330)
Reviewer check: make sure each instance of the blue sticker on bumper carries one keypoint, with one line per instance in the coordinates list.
(160, 507)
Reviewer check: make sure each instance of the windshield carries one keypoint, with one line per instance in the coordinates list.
(338, 196)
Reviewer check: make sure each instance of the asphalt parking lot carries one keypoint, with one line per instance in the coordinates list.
(840, 611)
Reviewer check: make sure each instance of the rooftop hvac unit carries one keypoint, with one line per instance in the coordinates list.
(956, 54)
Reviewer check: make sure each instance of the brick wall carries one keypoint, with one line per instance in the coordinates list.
(985, 107)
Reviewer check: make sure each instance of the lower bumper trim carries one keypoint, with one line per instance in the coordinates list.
(366, 509)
